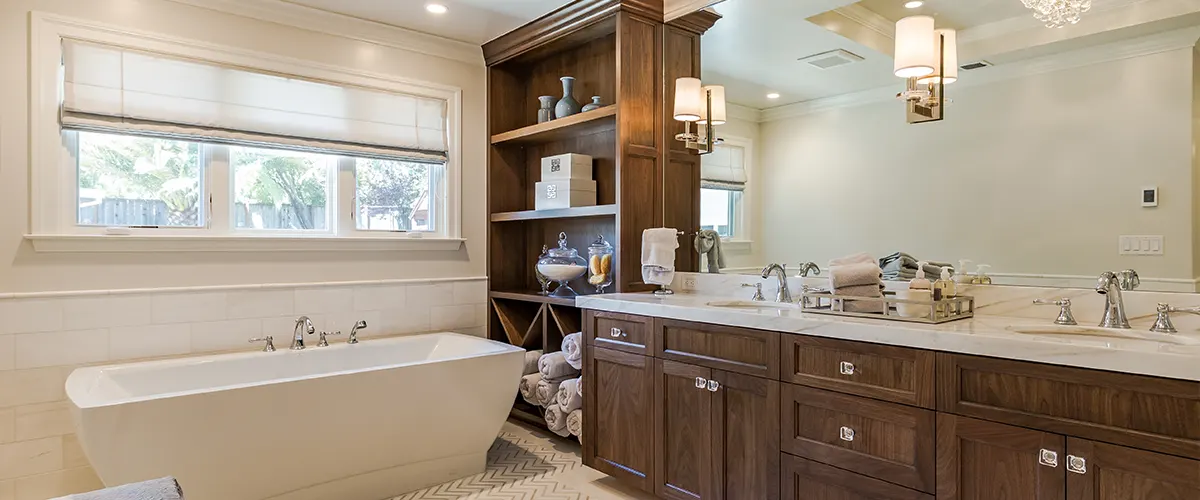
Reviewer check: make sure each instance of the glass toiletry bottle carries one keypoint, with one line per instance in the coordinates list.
(600, 263)
(919, 289)
(943, 289)
(981, 277)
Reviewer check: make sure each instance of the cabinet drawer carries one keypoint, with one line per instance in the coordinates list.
(622, 332)
(808, 480)
(1132, 410)
(887, 441)
(896, 374)
(740, 350)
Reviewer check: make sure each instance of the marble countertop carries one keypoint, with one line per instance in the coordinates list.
(984, 335)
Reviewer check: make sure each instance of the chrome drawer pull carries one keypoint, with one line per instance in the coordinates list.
(617, 333)
(1076, 464)
(1048, 458)
(847, 434)
(713, 385)
(701, 383)
(847, 368)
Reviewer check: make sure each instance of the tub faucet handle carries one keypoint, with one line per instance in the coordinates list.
(269, 340)
(325, 343)
(361, 325)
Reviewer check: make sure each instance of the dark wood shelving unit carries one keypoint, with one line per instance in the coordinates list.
(561, 213)
(612, 48)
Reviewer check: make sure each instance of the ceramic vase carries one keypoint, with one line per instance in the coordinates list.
(567, 106)
(546, 111)
(594, 105)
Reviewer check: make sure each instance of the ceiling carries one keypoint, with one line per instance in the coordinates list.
(753, 49)
(472, 21)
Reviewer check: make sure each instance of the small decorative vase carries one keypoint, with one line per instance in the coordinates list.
(594, 105)
(567, 106)
(546, 111)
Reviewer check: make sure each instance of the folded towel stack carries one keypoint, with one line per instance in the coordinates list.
(531, 361)
(901, 266)
(658, 255)
(556, 420)
(857, 275)
(528, 388)
(569, 398)
(573, 350)
(157, 489)
(555, 366)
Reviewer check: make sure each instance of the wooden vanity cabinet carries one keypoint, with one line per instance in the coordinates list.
(619, 432)
(1111, 472)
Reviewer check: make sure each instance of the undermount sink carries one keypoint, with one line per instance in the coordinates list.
(752, 304)
(1088, 331)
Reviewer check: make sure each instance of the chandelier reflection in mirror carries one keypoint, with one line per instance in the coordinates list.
(1058, 13)
(927, 59)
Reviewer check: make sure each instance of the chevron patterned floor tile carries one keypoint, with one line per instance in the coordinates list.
(525, 463)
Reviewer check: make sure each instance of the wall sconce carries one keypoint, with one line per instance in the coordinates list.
(927, 59)
(697, 103)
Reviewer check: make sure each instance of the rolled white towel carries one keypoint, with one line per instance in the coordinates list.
(546, 392)
(555, 366)
(556, 421)
(528, 388)
(579, 387)
(575, 422)
(157, 489)
(569, 398)
(572, 350)
(531, 361)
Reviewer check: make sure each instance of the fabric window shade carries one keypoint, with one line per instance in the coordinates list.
(724, 169)
(114, 89)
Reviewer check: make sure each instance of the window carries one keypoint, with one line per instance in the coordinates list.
(723, 183)
(718, 210)
(166, 138)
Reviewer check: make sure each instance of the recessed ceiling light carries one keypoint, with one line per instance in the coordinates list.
(913, 4)
(773, 95)
(436, 8)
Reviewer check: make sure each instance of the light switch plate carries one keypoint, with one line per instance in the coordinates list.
(1140, 245)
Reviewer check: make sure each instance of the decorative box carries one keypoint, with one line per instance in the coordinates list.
(565, 194)
(567, 166)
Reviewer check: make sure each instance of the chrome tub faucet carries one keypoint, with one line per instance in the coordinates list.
(303, 325)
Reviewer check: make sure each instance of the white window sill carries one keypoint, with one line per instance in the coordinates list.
(90, 243)
(740, 246)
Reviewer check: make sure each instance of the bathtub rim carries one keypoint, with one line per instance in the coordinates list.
(79, 381)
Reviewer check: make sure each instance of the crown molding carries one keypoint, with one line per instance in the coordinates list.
(868, 19)
(1135, 47)
(675, 9)
(331, 23)
(743, 113)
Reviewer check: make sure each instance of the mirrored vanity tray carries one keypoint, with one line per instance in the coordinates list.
(931, 312)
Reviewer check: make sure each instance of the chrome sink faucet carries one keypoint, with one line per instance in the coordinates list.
(303, 325)
(785, 295)
(1114, 305)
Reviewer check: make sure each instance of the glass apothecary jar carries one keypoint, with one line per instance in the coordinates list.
(542, 280)
(562, 265)
(600, 264)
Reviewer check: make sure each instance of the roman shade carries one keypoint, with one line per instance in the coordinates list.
(115, 89)
(724, 169)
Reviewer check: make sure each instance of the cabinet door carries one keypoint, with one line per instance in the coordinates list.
(979, 460)
(618, 439)
(745, 437)
(683, 421)
(808, 480)
(1100, 471)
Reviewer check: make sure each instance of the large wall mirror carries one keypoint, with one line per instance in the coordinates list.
(1064, 152)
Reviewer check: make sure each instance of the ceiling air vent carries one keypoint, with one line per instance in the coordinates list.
(975, 65)
(833, 58)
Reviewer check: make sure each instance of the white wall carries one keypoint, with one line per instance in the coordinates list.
(23, 270)
(1034, 175)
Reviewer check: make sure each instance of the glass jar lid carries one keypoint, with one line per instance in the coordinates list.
(600, 244)
(562, 250)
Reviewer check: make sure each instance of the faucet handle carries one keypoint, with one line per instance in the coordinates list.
(1163, 324)
(1064, 315)
(270, 347)
(758, 296)
(325, 343)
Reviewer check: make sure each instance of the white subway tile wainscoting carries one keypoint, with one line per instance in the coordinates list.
(45, 336)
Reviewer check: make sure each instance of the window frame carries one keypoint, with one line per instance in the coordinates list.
(741, 219)
(53, 167)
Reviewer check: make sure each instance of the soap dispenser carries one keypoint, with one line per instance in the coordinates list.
(919, 290)
(920, 282)
(944, 288)
(981, 277)
(961, 276)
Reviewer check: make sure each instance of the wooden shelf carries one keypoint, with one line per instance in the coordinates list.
(563, 128)
(533, 296)
(558, 213)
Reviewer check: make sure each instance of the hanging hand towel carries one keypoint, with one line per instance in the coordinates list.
(573, 351)
(658, 255)
(531, 361)
(568, 397)
(708, 243)
(556, 420)
(575, 422)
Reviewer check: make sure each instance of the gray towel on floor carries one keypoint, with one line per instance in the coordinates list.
(708, 244)
(166, 488)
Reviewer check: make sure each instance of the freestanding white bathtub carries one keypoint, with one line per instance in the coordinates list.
(346, 422)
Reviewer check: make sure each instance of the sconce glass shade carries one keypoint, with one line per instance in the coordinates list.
(718, 105)
(915, 54)
(950, 38)
(688, 99)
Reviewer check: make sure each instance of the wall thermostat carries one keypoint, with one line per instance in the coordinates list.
(1150, 196)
